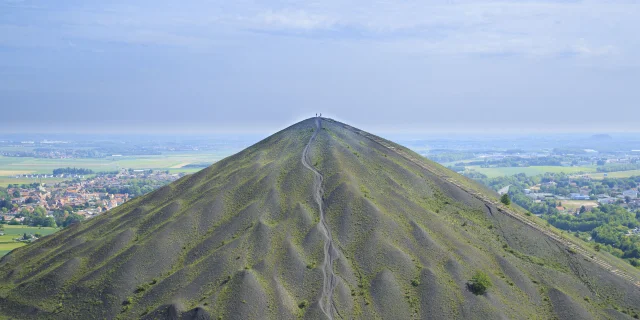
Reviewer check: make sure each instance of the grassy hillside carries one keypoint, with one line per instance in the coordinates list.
(242, 239)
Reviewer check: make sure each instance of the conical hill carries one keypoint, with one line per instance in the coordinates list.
(319, 220)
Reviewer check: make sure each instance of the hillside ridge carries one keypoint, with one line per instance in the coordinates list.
(503, 209)
(317, 221)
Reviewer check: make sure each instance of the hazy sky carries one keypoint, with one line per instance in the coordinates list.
(412, 65)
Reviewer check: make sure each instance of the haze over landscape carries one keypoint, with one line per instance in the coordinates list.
(319, 160)
(211, 66)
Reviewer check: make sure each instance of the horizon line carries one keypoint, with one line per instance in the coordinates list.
(269, 132)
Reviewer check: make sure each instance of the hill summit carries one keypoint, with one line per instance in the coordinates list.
(320, 220)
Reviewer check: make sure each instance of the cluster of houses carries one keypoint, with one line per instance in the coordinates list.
(41, 176)
(60, 196)
(631, 194)
(627, 198)
(583, 194)
(77, 195)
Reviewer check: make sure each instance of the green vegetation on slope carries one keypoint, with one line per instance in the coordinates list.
(241, 240)
(480, 283)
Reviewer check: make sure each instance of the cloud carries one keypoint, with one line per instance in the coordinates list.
(585, 49)
(295, 19)
(532, 28)
(221, 60)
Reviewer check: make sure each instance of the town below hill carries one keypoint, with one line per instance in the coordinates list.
(79, 198)
(586, 185)
(604, 212)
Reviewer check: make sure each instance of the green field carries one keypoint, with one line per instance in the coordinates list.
(536, 170)
(529, 171)
(4, 181)
(615, 174)
(10, 232)
(576, 204)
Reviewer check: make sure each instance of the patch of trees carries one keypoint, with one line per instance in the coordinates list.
(40, 218)
(505, 199)
(5, 205)
(610, 167)
(475, 175)
(71, 219)
(65, 217)
(24, 186)
(74, 170)
(134, 187)
(611, 215)
(37, 218)
(607, 225)
(479, 283)
(4, 194)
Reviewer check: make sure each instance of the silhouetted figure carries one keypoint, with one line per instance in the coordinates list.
(320, 114)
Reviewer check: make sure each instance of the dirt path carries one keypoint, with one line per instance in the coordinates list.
(573, 247)
(330, 255)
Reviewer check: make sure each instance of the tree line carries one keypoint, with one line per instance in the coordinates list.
(69, 170)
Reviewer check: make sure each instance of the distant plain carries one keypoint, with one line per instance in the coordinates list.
(10, 167)
(530, 171)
